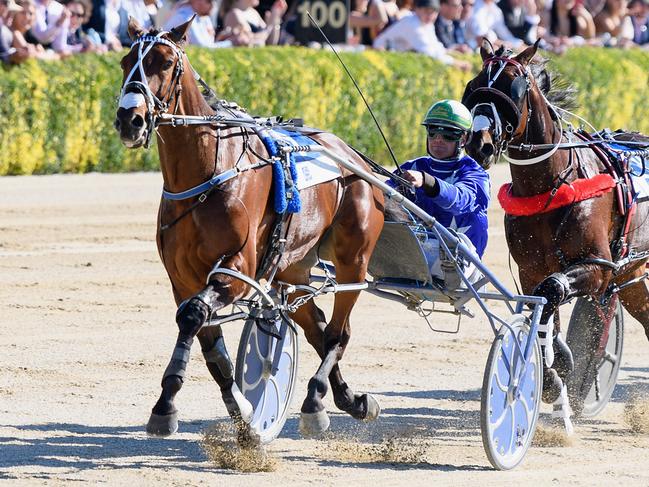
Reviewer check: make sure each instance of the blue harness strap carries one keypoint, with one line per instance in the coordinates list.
(201, 188)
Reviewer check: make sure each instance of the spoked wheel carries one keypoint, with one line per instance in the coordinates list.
(596, 338)
(266, 373)
(511, 396)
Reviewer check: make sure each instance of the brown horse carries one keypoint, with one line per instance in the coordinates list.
(580, 248)
(231, 226)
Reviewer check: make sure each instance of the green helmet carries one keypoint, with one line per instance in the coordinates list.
(449, 113)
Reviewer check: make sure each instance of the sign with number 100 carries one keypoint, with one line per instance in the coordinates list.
(332, 16)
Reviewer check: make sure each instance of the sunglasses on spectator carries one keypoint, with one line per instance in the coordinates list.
(77, 14)
(468, 4)
(448, 135)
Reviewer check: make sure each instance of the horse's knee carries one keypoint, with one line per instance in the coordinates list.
(193, 314)
(555, 288)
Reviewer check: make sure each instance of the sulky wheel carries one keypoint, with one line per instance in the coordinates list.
(511, 396)
(596, 338)
(266, 372)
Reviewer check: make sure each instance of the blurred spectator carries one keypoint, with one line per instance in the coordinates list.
(367, 18)
(521, 19)
(245, 25)
(488, 22)
(449, 28)
(7, 10)
(23, 20)
(77, 40)
(570, 24)
(50, 24)
(593, 7)
(417, 33)
(140, 11)
(613, 23)
(201, 32)
(405, 8)
(109, 21)
(639, 14)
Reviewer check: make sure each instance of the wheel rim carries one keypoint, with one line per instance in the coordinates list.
(509, 416)
(268, 391)
(606, 370)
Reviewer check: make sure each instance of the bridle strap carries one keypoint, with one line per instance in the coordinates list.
(153, 103)
(503, 62)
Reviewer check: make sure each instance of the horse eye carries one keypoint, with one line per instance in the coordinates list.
(167, 65)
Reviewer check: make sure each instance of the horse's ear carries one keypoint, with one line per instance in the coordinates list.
(134, 29)
(486, 49)
(526, 56)
(179, 33)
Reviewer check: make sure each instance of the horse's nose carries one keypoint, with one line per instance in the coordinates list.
(128, 121)
(137, 121)
(487, 150)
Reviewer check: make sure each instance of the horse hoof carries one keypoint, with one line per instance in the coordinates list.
(248, 437)
(314, 424)
(552, 385)
(162, 425)
(372, 407)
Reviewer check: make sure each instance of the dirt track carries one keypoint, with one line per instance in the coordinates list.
(88, 327)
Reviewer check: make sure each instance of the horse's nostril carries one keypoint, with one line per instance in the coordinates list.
(137, 121)
(487, 150)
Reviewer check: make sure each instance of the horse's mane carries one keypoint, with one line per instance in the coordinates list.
(557, 90)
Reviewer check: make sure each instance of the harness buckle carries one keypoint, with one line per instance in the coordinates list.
(202, 197)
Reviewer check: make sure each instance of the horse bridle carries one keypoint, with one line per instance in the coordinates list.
(132, 91)
(503, 133)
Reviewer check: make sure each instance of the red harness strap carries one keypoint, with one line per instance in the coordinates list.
(567, 194)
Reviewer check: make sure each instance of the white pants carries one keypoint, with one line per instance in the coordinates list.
(431, 251)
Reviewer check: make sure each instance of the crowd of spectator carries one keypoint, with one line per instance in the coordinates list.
(53, 29)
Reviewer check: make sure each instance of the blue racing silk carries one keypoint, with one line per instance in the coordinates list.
(463, 198)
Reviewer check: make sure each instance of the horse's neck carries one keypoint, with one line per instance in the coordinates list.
(187, 154)
(540, 177)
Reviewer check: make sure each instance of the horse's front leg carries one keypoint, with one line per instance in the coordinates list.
(190, 317)
(576, 280)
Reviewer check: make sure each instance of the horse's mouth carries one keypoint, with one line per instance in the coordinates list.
(134, 143)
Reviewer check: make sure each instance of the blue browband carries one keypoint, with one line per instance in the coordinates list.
(201, 188)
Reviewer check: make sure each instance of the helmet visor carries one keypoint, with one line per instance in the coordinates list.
(448, 134)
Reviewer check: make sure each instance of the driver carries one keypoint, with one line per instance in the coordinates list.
(450, 186)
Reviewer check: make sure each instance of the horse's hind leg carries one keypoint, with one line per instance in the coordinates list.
(314, 419)
(312, 320)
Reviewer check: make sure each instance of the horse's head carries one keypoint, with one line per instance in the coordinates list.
(499, 100)
(152, 72)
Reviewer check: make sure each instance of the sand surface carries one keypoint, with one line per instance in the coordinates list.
(88, 327)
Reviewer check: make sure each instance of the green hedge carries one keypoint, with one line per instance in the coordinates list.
(57, 116)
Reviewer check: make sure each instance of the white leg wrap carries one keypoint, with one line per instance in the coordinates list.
(245, 408)
(561, 409)
(545, 336)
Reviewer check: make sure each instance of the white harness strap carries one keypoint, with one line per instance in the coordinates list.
(134, 100)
